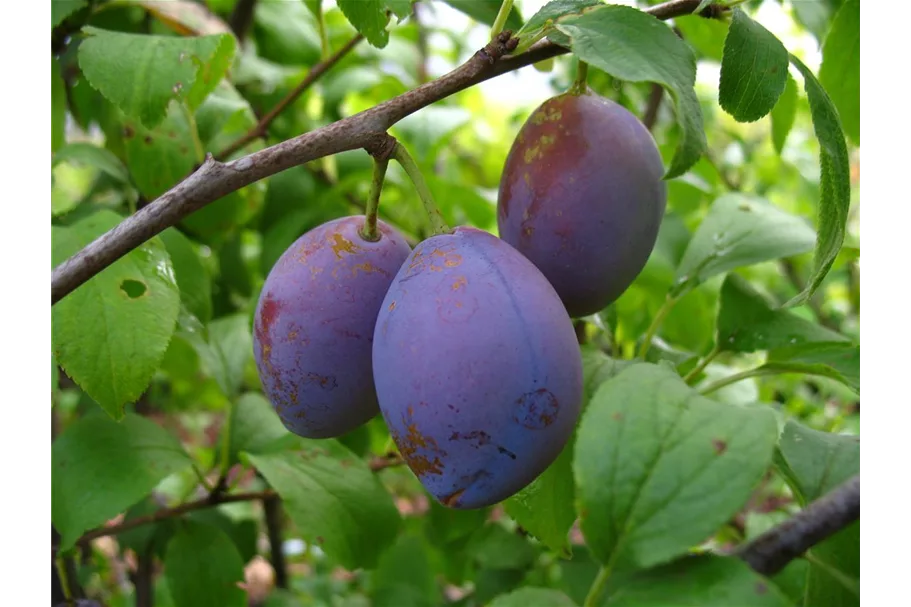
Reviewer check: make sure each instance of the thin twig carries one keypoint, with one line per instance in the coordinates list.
(263, 125)
(773, 550)
(272, 512)
(367, 129)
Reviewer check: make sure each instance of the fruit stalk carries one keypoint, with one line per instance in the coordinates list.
(580, 85)
(368, 232)
(401, 155)
(500, 21)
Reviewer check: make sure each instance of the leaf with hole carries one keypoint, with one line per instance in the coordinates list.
(659, 468)
(110, 334)
(101, 467)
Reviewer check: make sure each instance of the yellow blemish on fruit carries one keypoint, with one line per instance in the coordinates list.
(343, 245)
(459, 283)
(392, 306)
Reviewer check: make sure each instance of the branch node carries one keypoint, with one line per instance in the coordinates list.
(499, 46)
(714, 11)
(381, 146)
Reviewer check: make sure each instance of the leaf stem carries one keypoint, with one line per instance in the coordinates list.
(593, 597)
(663, 311)
(736, 377)
(500, 21)
(401, 155)
(368, 232)
(691, 376)
(580, 85)
(323, 36)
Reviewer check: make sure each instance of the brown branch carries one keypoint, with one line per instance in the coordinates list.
(272, 513)
(366, 129)
(773, 550)
(242, 17)
(654, 104)
(315, 72)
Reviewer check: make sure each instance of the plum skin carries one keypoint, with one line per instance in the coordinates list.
(313, 326)
(477, 368)
(582, 196)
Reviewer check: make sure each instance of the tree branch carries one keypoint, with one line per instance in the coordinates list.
(315, 72)
(773, 550)
(367, 130)
(242, 17)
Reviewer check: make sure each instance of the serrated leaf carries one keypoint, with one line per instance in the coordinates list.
(203, 567)
(254, 426)
(659, 468)
(232, 338)
(706, 581)
(783, 114)
(754, 69)
(485, 11)
(369, 18)
(747, 322)
(61, 9)
(493, 547)
(334, 500)
(839, 73)
(162, 157)
(111, 333)
(834, 182)
(597, 368)
(533, 597)
(634, 46)
(193, 280)
(739, 231)
(142, 74)
(100, 468)
(81, 152)
(58, 107)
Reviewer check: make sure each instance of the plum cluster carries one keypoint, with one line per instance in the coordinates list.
(466, 344)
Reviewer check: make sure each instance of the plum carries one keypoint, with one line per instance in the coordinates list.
(582, 197)
(477, 368)
(313, 328)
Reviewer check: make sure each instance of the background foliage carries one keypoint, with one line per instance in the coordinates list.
(750, 297)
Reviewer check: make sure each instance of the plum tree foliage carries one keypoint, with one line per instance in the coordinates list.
(338, 321)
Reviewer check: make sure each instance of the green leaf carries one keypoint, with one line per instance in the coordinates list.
(61, 9)
(334, 500)
(369, 18)
(192, 278)
(84, 153)
(232, 338)
(634, 46)
(597, 368)
(110, 334)
(839, 73)
(485, 11)
(315, 7)
(286, 33)
(404, 577)
(58, 107)
(493, 547)
(834, 182)
(844, 359)
(142, 74)
(706, 581)
(783, 114)
(660, 468)
(203, 567)
(817, 461)
(753, 70)
(552, 11)
(545, 507)
(242, 532)
(533, 597)
(747, 322)
(162, 157)
(101, 467)
(707, 36)
(739, 231)
(254, 426)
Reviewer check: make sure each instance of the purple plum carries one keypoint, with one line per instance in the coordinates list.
(582, 197)
(477, 368)
(313, 329)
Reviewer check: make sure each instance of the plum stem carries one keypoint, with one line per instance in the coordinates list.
(662, 313)
(580, 85)
(692, 375)
(597, 588)
(401, 155)
(500, 21)
(736, 377)
(368, 232)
